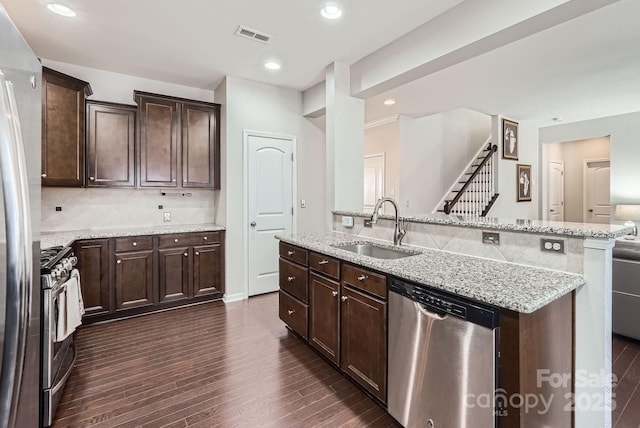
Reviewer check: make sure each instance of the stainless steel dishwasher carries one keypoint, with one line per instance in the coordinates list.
(625, 311)
(442, 359)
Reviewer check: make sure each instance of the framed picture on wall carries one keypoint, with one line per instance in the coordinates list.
(509, 139)
(523, 183)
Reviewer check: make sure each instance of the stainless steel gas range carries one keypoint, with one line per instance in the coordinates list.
(58, 348)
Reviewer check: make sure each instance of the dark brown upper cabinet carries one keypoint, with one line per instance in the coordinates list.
(110, 144)
(63, 121)
(179, 142)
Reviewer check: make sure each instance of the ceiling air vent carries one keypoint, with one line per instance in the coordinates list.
(252, 34)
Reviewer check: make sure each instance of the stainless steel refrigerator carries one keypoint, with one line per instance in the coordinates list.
(20, 146)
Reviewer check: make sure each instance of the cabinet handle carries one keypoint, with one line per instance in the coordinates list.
(290, 253)
(344, 298)
(334, 293)
(291, 278)
(175, 240)
(119, 261)
(323, 262)
(135, 244)
(185, 254)
(197, 253)
(290, 311)
(362, 277)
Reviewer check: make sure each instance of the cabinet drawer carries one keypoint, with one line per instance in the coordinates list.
(294, 313)
(293, 280)
(327, 265)
(293, 253)
(365, 280)
(134, 243)
(182, 239)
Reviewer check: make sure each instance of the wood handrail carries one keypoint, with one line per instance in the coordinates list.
(450, 204)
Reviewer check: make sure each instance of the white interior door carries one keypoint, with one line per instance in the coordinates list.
(270, 206)
(556, 191)
(373, 180)
(597, 203)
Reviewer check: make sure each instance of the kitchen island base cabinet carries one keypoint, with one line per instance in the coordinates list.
(324, 316)
(293, 313)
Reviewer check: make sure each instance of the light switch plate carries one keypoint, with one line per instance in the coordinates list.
(347, 221)
(167, 217)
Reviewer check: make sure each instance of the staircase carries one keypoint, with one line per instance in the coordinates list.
(474, 193)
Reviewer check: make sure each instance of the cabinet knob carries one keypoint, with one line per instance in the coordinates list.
(174, 180)
(291, 278)
(290, 253)
(92, 178)
(185, 254)
(344, 298)
(175, 240)
(323, 262)
(290, 311)
(197, 253)
(334, 293)
(135, 244)
(44, 176)
(119, 261)
(205, 238)
(362, 277)
(253, 224)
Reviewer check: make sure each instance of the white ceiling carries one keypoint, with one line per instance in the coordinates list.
(584, 68)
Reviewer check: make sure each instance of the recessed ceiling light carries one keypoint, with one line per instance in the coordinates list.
(61, 9)
(331, 11)
(389, 102)
(272, 65)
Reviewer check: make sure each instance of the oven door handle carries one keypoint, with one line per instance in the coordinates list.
(63, 379)
(19, 256)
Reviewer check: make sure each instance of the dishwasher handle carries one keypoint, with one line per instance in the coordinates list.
(431, 314)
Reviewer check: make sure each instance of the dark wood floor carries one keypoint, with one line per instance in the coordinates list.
(206, 366)
(626, 366)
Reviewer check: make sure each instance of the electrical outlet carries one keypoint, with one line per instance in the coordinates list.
(552, 245)
(491, 238)
(367, 223)
(167, 217)
(58, 208)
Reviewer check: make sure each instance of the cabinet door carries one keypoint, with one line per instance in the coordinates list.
(134, 279)
(207, 270)
(158, 122)
(110, 144)
(62, 129)
(200, 146)
(364, 340)
(174, 273)
(324, 316)
(93, 265)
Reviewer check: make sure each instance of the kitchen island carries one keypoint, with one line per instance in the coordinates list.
(518, 280)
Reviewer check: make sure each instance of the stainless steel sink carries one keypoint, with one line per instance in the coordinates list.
(376, 251)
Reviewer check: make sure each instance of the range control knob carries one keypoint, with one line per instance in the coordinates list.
(73, 260)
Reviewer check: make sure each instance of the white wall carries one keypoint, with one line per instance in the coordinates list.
(386, 139)
(118, 88)
(506, 205)
(623, 131)
(434, 151)
(260, 107)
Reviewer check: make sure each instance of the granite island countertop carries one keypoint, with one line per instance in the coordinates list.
(505, 285)
(50, 239)
(583, 230)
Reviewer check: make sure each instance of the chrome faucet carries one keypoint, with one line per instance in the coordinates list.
(399, 232)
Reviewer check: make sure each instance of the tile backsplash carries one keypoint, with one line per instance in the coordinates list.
(92, 208)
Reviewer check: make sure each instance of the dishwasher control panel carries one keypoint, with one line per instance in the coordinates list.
(443, 303)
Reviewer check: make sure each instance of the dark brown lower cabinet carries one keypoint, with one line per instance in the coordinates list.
(208, 270)
(324, 316)
(93, 264)
(174, 273)
(363, 332)
(134, 279)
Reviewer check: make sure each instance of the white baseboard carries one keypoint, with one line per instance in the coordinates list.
(228, 298)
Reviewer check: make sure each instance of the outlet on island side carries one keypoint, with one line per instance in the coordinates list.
(167, 217)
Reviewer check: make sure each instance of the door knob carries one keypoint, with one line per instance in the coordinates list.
(552, 211)
(253, 224)
(590, 211)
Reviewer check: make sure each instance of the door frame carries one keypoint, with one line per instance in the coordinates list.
(547, 188)
(246, 133)
(384, 168)
(585, 168)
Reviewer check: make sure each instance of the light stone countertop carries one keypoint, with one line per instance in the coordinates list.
(505, 285)
(584, 230)
(50, 239)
